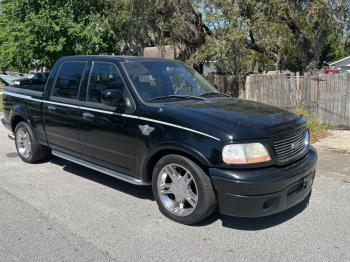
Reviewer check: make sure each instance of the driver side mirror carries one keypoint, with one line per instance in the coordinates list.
(113, 97)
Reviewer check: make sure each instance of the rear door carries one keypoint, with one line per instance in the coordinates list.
(107, 134)
(61, 111)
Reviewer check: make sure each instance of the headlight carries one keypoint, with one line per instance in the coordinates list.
(307, 138)
(245, 153)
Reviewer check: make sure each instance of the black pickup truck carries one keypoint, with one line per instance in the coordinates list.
(156, 121)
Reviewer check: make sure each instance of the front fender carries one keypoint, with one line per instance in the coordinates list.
(165, 148)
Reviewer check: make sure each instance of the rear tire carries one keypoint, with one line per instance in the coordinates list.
(28, 148)
(183, 191)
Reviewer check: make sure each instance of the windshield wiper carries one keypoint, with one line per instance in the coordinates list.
(177, 96)
(214, 93)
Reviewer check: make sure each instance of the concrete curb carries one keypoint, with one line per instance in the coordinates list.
(337, 141)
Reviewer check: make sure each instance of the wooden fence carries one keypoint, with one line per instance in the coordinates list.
(326, 97)
(228, 84)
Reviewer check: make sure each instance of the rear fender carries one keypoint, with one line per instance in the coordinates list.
(20, 111)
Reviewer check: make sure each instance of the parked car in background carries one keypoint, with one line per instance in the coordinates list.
(334, 71)
(8, 78)
(33, 78)
(158, 122)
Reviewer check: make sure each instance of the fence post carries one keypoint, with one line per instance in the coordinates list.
(298, 91)
(247, 87)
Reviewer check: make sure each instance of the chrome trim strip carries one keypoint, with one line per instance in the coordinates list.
(129, 116)
(101, 169)
(113, 113)
(107, 112)
(148, 119)
(22, 96)
(180, 127)
(60, 104)
(96, 110)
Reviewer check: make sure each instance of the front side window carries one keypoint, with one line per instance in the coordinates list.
(154, 79)
(104, 77)
(68, 80)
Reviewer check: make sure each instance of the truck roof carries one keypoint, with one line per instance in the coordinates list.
(114, 57)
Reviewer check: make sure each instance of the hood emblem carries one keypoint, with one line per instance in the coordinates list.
(146, 129)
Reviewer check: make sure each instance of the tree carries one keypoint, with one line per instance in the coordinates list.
(262, 35)
(163, 22)
(239, 36)
(45, 30)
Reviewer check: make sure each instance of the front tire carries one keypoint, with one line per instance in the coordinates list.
(28, 148)
(183, 191)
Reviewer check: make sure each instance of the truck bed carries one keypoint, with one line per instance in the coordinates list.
(24, 104)
(36, 92)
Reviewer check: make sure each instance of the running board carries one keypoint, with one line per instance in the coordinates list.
(101, 169)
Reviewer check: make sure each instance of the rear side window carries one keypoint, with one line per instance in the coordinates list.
(68, 80)
(104, 77)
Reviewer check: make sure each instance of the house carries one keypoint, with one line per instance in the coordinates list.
(167, 51)
(171, 52)
(342, 64)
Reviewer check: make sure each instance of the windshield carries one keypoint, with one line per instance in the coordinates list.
(158, 79)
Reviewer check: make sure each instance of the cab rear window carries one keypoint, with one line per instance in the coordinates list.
(69, 79)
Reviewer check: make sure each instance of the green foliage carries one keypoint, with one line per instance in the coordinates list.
(317, 130)
(254, 36)
(238, 36)
(45, 30)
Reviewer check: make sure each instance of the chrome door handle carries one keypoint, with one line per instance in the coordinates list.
(88, 115)
(51, 107)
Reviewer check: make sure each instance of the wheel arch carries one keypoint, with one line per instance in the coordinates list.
(15, 120)
(18, 116)
(19, 113)
(157, 153)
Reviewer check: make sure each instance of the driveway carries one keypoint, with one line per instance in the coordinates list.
(59, 211)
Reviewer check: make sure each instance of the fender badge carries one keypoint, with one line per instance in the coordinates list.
(146, 129)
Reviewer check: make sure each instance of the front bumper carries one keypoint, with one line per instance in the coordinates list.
(265, 191)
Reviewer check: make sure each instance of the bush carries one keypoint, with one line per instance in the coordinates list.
(317, 130)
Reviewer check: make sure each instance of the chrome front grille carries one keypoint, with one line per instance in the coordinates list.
(291, 147)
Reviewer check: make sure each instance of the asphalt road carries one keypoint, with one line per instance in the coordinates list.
(59, 211)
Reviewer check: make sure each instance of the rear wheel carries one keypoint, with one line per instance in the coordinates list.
(183, 191)
(27, 145)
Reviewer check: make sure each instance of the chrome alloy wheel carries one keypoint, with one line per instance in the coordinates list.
(23, 143)
(177, 190)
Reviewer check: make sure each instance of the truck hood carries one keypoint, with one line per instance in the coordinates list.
(234, 119)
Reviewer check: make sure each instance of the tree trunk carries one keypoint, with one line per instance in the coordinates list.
(307, 45)
(199, 67)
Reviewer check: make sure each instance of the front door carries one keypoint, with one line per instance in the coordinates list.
(107, 134)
